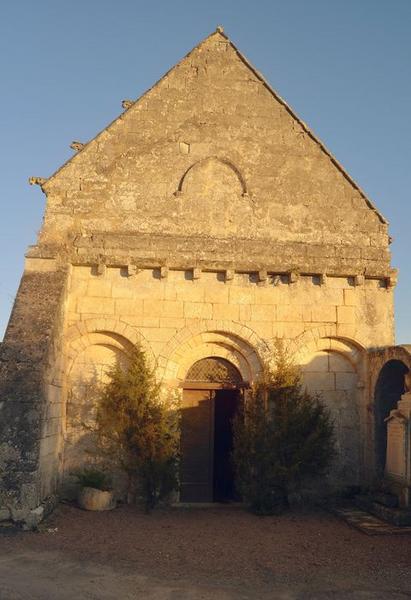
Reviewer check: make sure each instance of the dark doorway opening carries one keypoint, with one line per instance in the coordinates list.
(206, 470)
(211, 397)
(388, 391)
(226, 403)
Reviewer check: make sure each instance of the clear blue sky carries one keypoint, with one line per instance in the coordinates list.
(343, 65)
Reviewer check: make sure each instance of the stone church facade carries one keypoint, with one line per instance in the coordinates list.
(204, 223)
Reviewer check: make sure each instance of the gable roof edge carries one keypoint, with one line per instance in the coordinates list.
(121, 115)
(263, 80)
(219, 31)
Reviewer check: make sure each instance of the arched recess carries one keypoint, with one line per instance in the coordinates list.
(78, 337)
(228, 340)
(388, 390)
(92, 347)
(343, 333)
(212, 170)
(333, 369)
(387, 367)
(93, 356)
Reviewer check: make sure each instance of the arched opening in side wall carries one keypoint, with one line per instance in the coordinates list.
(388, 390)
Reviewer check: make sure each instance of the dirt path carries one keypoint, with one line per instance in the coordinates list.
(201, 553)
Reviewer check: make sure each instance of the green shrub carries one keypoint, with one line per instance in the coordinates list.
(94, 478)
(137, 431)
(282, 437)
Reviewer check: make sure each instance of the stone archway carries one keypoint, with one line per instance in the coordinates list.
(226, 339)
(388, 391)
(91, 351)
(387, 367)
(334, 369)
(215, 347)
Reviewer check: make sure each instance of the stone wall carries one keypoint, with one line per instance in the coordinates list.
(24, 363)
(328, 325)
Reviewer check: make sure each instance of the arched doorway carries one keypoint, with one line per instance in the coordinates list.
(212, 392)
(388, 391)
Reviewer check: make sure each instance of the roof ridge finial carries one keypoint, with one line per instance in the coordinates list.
(219, 29)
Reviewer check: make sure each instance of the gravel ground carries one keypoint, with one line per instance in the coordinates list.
(201, 553)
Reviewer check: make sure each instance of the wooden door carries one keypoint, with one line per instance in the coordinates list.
(197, 425)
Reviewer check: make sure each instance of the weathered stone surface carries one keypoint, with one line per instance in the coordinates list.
(23, 366)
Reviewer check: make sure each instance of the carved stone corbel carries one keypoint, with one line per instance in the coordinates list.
(101, 269)
(132, 270)
(392, 278)
(163, 272)
(77, 146)
(37, 180)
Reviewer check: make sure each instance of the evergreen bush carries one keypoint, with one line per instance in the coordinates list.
(138, 431)
(94, 478)
(282, 437)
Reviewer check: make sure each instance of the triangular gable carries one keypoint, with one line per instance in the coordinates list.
(260, 77)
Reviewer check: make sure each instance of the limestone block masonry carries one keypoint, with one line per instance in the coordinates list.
(207, 220)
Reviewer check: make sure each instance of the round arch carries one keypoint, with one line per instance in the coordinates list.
(212, 159)
(227, 340)
(214, 370)
(113, 332)
(388, 390)
(342, 333)
(333, 368)
(349, 349)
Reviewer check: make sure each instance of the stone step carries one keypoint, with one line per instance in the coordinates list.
(400, 517)
(366, 522)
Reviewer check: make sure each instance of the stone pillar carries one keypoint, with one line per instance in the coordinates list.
(398, 461)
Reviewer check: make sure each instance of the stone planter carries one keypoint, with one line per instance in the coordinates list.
(93, 499)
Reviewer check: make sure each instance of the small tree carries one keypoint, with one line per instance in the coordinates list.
(282, 437)
(137, 431)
